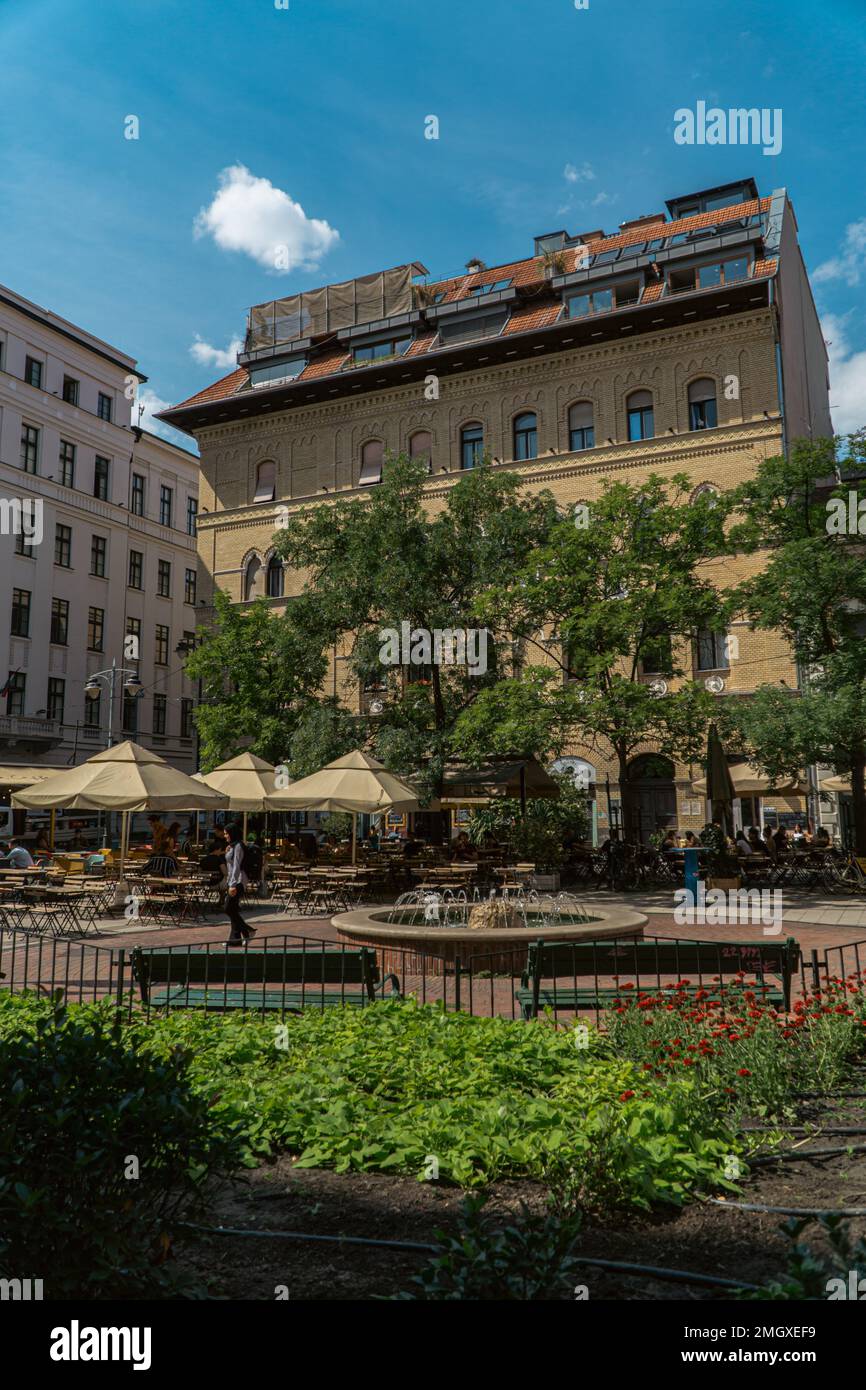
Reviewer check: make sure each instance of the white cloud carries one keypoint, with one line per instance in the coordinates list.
(602, 199)
(150, 403)
(585, 174)
(208, 356)
(249, 214)
(848, 264)
(847, 375)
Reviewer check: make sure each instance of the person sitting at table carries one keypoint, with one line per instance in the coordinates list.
(669, 842)
(463, 847)
(742, 844)
(755, 840)
(780, 840)
(822, 837)
(768, 842)
(42, 840)
(20, 856)
(691, 841)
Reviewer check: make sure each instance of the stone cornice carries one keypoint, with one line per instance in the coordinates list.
(734, 329)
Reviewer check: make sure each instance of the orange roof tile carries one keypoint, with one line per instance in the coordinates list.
(324, 366)
(226, 386)
(529, 316)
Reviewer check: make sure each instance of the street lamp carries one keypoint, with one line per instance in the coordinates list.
(93, 689)
(185, 647)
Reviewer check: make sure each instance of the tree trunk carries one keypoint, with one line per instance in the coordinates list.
(626, 809)
(858, 794)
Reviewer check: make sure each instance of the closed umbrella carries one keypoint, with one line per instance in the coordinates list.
(247, 781)
(355, 783)
(123, 778)
(720, 787)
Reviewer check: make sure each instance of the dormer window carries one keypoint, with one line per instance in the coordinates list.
(489, 289)
(276, 373)
(378, 352)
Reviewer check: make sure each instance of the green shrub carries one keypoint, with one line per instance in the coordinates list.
(81, 1099)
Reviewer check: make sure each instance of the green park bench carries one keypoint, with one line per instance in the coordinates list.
(283, 979)
(645, 964)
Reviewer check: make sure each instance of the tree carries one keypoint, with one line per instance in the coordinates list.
(258, 677)
(383, 569)
(806, 514)
(611, 600)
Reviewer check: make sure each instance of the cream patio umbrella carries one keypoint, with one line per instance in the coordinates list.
(749, 781)
(355, 783)
(247, 781)
(837, 784)
(125, 778)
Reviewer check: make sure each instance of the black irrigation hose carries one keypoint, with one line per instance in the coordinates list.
(675, 1276)
(790, 1155)
(787, 1211)
(680, 1276)
(301, 1235)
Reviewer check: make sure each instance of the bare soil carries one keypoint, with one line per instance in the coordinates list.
(701, 1237)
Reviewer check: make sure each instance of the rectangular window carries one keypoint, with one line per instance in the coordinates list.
(136, 569)
(163, 578)
(132, 643)
(103, 406)
(192, 516)
(130, 713)
(137, 500)
(20, 613)
(29, 448)
(56, 698)
(598, 302)
(466, 328)
(640, 423)
(161, 658)
(101, 468)
(627, 293)
(33, 372)
(67, 464)
(166, 499)
(70, 390)
(63, 545)
(98, 554)
(95, 629)
(374, 352)
(657, 654)
(93, 711)
(713, 651)
(23, 546)
(16, 687)
(704, 414)
(186, 718)
(59, 621)
(159, 710)
(189, 586)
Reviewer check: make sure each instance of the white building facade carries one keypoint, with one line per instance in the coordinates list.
(97, 551)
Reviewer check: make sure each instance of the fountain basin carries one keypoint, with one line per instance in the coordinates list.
(502, 950)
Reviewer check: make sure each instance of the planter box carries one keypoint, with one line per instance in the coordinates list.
(546, 883)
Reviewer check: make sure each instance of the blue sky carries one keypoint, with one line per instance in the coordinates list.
(549, 117)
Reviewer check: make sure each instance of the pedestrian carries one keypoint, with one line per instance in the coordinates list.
(241, 931)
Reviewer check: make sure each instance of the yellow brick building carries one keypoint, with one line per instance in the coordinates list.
(687, 342)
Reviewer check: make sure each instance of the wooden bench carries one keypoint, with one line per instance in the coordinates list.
(232, 978)
(644, 964)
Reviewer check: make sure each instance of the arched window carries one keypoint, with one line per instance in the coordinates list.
(526, 436)
(640, 415)
(372, 455)
(276, 577)
(421, 445)
(581, 426)
(471, 445)
(266, 481)
(703, 412)
(253, 578)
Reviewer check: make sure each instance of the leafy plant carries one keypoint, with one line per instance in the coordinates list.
(529, 1259)
(103, 1146)
(815, 1276)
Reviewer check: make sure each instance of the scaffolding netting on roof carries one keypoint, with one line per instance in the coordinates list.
(364, 300)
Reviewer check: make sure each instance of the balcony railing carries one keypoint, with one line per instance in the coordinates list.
(25, 729)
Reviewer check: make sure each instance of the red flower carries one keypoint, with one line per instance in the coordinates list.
(744, 1071)
(627, 1095)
